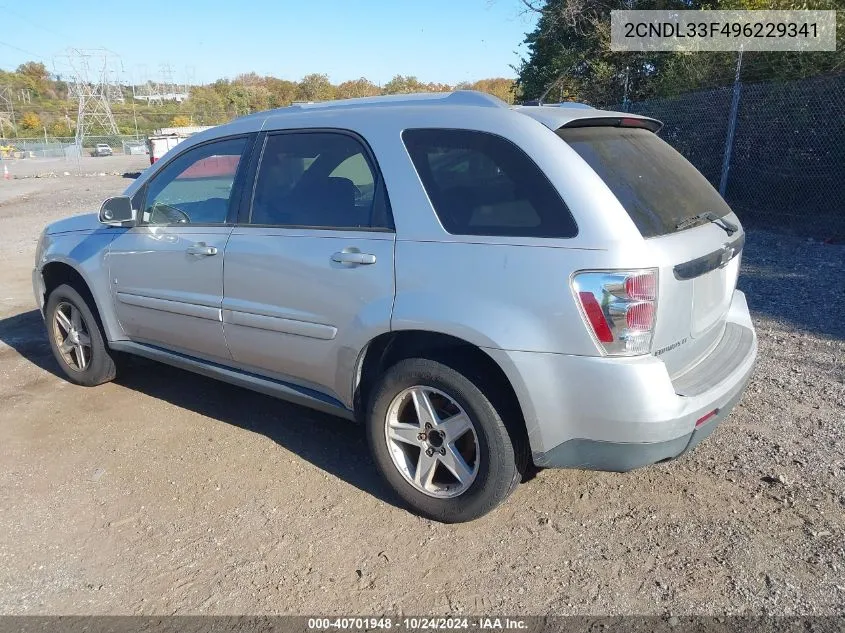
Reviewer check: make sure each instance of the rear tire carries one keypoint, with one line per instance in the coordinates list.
(76, 339)
(459, 467)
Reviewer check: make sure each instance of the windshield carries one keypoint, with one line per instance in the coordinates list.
(660, 189)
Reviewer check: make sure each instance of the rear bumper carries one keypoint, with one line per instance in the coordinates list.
(622, 413)
(624, 456)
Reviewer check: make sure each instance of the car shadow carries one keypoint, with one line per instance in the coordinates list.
(25, 333)
(333, 444)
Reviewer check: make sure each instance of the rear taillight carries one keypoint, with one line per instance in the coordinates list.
(641, 287)
(640, 316)
(619, 308)
(595, 317)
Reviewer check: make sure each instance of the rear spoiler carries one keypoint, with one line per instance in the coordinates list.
(612, 121)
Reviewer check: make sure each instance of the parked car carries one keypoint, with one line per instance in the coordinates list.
(489, 289)
(101, 149)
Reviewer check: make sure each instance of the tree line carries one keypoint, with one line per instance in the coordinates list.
(43, 103)
(569, 54)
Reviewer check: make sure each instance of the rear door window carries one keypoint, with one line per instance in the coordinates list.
(318, 180)
(482, 184)
(660, 189)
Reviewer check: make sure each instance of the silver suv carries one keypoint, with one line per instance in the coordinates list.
(489, 289)
(101, 149)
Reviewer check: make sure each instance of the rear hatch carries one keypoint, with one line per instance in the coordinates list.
(688, 227)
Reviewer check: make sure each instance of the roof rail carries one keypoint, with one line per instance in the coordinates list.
(474, 97)
(458, 97)
(572, 104)
(562, 104)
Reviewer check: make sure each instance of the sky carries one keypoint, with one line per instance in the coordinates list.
(436, 40)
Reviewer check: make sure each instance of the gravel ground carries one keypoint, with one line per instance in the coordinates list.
(168, 493)
(82, 166)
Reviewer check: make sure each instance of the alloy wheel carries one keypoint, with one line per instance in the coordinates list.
(432, 442)
(71, 336)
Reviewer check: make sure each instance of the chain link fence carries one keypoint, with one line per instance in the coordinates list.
(775, 150)
(61, 147)
(787, 167)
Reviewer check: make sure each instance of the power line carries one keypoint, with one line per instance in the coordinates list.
(23, 50)
(33, 22)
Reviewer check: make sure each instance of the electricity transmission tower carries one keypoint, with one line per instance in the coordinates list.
(7, 110)
(115, 85)
(157, 91)
(171, 90)
(189, 79)
(143, 88)
(93, 73)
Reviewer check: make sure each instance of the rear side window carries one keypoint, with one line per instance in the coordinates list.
(660, 189)
(482, 184)
(318, 180)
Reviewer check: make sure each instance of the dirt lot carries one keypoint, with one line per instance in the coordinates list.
(165, 492)
(82, 166)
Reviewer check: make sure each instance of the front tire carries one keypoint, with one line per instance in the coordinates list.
(439, 442)
(76, 338)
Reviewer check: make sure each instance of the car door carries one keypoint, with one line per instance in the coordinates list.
(167, 271)
(309, 271)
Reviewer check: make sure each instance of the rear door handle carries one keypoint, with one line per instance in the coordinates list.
(201, 248)
(353, 257)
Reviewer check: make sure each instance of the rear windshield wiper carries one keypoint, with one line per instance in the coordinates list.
(708, 216)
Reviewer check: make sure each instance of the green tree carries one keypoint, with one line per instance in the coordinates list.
(569, 51)
(60, 128)
(207, 106)
(34, 70)
(249, 79)
(282, 91)
(260, 98)
(34, 77)
(357, 88)
(497, 86)
(238, 100)
(403, 85)
(315, 87)
(435, 86)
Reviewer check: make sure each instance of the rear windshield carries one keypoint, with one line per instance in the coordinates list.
(482, 184)
(658, 187)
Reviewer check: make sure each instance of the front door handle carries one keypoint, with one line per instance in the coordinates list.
(353, 257)
(201, 248)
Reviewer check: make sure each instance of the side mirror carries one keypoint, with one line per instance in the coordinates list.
(117, 211)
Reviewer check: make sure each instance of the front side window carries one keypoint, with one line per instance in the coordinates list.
(196, 187)
(482, 184)
(316, 179)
